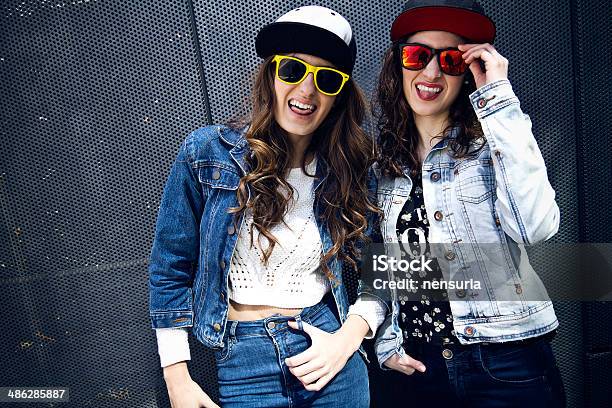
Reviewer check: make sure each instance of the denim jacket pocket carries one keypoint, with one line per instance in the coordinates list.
(217, 175)
(475, 189)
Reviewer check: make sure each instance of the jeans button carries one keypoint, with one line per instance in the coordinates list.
(447, 354)
(438, 215)
(271, 325)
(435, 176)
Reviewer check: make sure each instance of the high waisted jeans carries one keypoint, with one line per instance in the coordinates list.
(252, 371)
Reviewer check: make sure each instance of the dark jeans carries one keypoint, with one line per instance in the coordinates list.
(487, 376)
(252, 371)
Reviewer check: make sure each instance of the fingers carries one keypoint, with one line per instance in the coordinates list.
(306, 328)
(313, 377)
(204, 400)
(321, 382)
(486, 52)
(307, 368)
(415, 364)
(311, 372)
(299, 359)
(405, 370)
(404, 364)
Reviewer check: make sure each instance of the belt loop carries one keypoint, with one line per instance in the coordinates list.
(298, 320)
(233, 328)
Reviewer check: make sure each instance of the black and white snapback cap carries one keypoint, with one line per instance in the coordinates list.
(313, 30)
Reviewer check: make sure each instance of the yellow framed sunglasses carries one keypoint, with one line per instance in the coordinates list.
(292, 71)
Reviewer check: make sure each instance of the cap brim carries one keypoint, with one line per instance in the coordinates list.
(465, 23)
(286, 37)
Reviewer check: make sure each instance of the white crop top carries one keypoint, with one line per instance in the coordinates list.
(292, 277)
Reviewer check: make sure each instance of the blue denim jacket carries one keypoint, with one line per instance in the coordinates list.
(501, 196)
(195, 235)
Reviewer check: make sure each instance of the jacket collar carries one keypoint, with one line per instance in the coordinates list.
(233, 137)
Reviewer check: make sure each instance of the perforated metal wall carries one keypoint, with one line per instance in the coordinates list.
(96, 97)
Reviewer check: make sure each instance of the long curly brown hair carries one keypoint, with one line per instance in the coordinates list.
(398, 135)
(340, 141)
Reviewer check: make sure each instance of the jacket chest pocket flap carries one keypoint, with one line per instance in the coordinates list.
(218, 175)
(475, 181)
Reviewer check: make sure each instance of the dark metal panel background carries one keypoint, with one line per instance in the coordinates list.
(97, 96)
(593, 112)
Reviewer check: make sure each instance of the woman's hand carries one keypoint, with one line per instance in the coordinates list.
(183, 391)
(404, 364)
(328, 354)
(496, 66)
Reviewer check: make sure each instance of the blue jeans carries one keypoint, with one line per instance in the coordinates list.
(252, 371)
(478, 375)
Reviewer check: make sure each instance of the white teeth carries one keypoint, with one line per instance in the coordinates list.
(300, 105)
(428, 89)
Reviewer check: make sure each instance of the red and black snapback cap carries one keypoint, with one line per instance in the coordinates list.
(465, 18)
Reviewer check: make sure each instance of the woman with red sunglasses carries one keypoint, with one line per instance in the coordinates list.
(463, 183)
(254, 227)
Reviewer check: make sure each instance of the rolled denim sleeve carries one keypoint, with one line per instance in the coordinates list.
(387, 342)
(525, 201)
(174, 254)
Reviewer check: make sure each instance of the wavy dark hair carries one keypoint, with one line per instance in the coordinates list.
(398, 135)
(340, 141)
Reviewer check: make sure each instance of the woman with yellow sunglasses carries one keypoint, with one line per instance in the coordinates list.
(256, 222)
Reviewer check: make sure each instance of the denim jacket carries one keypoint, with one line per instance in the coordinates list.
(500, 196)
(195, 235)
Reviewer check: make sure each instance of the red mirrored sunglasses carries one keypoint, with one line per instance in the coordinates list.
(415, 56)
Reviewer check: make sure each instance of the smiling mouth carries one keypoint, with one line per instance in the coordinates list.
(301, 108)
(428, 93)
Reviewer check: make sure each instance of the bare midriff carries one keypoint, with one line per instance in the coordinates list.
(245, 313)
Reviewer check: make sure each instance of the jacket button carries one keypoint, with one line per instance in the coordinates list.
(271, 325)
(469, 331)
(216, 175)
(222, 265)
(450, 255)
(217, 327)
(447, 354)
(497, 221)
(438, 216)
(435, 176)
(481, 103)
(519, 289)
(460, 293)
(231, 229)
